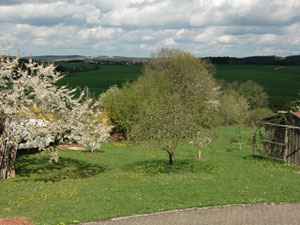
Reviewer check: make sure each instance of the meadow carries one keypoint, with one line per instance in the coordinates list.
(281, 83)
(125, 179)
(98, 81)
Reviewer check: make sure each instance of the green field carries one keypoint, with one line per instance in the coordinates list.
(100, 80)
(126, 179)
(282, 84)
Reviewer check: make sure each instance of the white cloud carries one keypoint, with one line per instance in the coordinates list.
(225, 39)
(206, 35)
(137, 27)
(268, 38)
(169, 42)
(53, 12)
(99, 33)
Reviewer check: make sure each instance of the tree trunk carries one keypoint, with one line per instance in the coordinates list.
(8, 153)
(171, 158)
(240, 137)
(8, 163)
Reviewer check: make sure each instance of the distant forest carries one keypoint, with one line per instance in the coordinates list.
(257, 60)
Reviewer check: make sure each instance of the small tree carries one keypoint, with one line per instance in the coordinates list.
(181, 100)
(254, 94)
(235, 110)
(123, 105)
(26, 89)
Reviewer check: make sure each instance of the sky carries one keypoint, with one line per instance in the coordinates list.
(140, 27)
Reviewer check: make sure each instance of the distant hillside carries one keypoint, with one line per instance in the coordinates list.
(256, 60)
(56, 57)
(293, 60)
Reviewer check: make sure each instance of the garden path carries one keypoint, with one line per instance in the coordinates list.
(265, 214)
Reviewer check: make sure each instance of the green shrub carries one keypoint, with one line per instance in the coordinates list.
(259, 113)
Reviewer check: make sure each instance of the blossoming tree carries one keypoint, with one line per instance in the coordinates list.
(33, 108)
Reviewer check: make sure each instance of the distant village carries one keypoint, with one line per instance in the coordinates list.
(293, 60)
(102, 60)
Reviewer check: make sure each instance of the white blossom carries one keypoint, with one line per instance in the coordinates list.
(33, 109)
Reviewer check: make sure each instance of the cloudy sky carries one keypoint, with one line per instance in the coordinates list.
(139, 27)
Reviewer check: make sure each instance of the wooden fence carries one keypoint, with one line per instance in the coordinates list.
(278, 142)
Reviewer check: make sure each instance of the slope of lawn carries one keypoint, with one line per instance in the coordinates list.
(124, 179)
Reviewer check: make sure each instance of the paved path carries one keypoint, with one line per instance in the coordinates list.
(282, 214)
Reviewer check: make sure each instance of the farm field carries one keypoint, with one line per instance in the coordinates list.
(125, 179)
(281, 83)
(98, 81)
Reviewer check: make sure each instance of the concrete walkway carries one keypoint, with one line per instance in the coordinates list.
(282, 214)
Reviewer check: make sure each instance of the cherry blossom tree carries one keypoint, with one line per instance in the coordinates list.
(32, 108)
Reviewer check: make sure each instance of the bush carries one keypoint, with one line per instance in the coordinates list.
(234, 108)
(254, 93)
(123, 104)
(259, 113)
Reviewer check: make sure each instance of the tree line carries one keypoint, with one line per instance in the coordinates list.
(256, 60)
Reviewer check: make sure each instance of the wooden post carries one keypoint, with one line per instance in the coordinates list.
(286, 142)
(292, 148)
(199, 155)
(267, 137)
(298, 150)
(253, 139)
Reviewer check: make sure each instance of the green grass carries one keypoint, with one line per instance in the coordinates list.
(100, 80)
(125, 179)
(282, 84)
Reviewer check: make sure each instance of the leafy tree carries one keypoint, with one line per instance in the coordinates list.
(259, 113)
(33, 108)
(178, 96)
(254, 93)
(235, 110)
(250, 90)
(122, 104)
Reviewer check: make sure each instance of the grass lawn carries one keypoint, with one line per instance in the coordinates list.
(124, 179)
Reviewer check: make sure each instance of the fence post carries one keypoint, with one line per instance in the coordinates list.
(286, 142)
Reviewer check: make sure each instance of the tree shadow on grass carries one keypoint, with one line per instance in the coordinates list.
(258, 158)
(39, 169)
(230, 149)
(155, 167)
